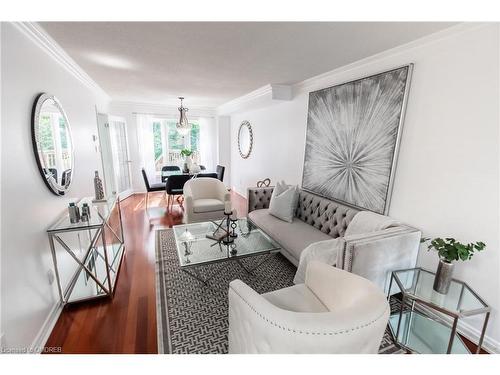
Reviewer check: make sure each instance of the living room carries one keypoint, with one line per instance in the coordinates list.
(211, 189)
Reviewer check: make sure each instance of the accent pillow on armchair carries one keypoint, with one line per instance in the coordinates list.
(284, 201)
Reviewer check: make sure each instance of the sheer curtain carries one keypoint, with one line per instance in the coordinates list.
(208, 143)
(146, 145)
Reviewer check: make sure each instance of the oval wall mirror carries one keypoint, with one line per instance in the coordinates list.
(52, 143)
(245, 139)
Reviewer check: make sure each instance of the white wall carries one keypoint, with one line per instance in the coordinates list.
(447, 180)
(28, 207)
(224, 146)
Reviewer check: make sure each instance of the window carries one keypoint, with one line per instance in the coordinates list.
(54, 141)
(168, 143)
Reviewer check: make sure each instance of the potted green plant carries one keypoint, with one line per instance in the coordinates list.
(450, 250)
(186, 154)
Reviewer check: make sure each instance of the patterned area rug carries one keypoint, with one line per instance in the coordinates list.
(193, 318)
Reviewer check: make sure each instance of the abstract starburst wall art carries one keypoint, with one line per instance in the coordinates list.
(353, 132)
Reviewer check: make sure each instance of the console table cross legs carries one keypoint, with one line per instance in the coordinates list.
(97, 254)
(89, 272)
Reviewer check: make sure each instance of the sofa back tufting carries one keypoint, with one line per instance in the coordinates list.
(326, 215)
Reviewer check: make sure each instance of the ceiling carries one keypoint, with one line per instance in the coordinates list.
(212, 63)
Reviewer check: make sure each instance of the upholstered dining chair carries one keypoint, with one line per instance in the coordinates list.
(170, 168)
(151, 187)
(220, 172)
(175, 186)
(204, 199)
(334, 311)
(211, 175)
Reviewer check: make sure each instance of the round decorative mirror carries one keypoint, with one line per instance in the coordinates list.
(52, 143)
(245, 139)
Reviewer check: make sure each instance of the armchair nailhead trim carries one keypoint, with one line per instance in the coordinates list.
(344, 331)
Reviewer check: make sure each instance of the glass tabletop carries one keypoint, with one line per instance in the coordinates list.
(424, 335)
(170, 173)
(202, 250)
(99, 212)
(460, 299)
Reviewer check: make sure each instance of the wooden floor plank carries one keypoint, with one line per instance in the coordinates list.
(127, 323)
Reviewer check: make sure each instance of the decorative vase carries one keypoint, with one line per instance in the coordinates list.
(99, 190)
(194, 168)
(442, 280)
(186, 167)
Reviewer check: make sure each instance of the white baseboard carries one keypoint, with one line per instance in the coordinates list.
(244, 195)
(489, 344)
(47, 327)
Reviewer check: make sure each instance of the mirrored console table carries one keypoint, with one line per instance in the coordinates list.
(87, 255)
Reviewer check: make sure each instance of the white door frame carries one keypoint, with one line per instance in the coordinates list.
(107, 157)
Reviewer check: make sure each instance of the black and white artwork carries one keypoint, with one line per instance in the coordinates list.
(353, 132)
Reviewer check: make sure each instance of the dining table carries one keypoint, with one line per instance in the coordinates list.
(166, 174)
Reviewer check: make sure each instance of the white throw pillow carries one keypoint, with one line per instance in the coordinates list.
(284, 201)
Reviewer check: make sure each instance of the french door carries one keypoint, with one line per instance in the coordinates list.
(115, 154)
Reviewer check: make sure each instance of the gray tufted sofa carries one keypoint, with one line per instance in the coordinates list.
(373, 255)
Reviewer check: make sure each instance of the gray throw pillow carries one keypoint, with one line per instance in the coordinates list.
(284, 201)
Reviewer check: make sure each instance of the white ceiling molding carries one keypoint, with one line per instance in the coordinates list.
(329, 78)
(264, 95)
(160, 110)
(38, 35)
(259, 98)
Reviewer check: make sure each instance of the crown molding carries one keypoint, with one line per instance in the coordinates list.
(261, 97)
(43, 40)
(268, 94)
(331, 77)
(158, 109)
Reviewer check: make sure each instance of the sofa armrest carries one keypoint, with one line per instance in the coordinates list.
(377, 254)
(259, 197)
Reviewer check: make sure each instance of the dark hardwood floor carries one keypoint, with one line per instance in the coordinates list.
(127, 323)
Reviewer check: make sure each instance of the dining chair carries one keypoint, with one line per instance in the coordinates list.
(66, 177)
(175, 186)
(169, 168)
(160, 186)
(212, 175)
(51, 172)
(220, 172)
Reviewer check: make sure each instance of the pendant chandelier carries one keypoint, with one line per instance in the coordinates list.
(183, 126)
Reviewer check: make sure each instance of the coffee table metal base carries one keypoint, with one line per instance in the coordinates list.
(196, 274)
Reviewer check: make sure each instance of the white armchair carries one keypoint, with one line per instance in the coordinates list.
(204, 199)
(335, 311)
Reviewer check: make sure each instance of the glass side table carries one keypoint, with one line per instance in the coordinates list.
(427, 320)
(87, 255)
